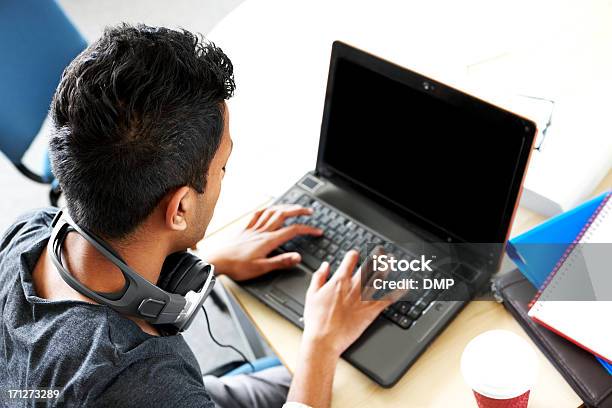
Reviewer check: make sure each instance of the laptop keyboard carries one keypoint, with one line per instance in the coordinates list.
(342, 234)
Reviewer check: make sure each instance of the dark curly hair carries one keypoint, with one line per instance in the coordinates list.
(136, 115)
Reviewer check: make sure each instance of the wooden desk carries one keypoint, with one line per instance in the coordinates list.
(434, 380)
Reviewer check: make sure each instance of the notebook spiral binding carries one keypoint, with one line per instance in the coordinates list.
(593, 220)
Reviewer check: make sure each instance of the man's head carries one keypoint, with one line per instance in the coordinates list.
(141, 131)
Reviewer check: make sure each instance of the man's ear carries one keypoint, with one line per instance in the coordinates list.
(178, 205)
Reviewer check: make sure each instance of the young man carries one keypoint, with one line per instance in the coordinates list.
(140, 143)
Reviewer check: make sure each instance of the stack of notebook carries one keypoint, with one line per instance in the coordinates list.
(558, 258)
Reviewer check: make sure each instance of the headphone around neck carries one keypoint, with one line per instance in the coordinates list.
(185, 281)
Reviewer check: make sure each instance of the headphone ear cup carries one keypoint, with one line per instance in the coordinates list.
(169, 269)
(181, 273)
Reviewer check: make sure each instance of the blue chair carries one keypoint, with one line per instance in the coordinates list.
(37, 41)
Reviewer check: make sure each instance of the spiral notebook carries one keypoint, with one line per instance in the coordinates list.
(586, 323)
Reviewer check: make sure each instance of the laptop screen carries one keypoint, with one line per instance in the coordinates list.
(428, 151)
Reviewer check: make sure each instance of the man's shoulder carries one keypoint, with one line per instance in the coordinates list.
(27, 227)
(19, 243)
(160, 380)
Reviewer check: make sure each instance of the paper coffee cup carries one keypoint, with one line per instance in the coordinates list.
(500, 367)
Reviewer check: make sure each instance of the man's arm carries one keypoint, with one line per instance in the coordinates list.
(314, 377)
(334, 317)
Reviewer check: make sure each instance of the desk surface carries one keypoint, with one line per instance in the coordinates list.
(435, 379)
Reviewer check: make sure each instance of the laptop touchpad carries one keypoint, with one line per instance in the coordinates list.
(294, 283)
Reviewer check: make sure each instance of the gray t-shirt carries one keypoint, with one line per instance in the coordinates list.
(92, 354)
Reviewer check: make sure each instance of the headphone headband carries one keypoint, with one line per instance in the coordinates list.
(139, 297)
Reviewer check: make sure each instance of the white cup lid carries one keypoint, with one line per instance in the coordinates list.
(499, 364)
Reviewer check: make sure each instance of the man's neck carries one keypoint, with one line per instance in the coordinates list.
(95, 271)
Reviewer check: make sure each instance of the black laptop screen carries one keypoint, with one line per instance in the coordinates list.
(441, 157)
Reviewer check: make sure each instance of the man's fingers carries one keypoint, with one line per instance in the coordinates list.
(278, 218)
(285, 234)
(369, 292)
(255, 217)
(347, 266)
(373, 308)
(319, 277)
(370, 275)
(275, 215)
(263, 218)
(282, 261)
(363, 288)
(356, 280)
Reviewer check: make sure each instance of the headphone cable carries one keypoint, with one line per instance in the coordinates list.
(246, 360)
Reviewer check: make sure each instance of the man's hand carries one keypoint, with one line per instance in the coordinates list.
(247, 256)
(335, 314)
(334, 317)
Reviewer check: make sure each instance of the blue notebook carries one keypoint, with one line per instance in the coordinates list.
(537, 251)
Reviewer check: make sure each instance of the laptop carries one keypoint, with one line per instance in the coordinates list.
(403, 160)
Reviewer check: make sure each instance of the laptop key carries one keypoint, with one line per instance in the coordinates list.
(414, 313)
(320, 254)
(337, 239)
(289, 247)
(346, 246)
(402, 307)
(359, 242)
(429, 296)
(405, 322)
(324, 243)
(390, 248)
(304, 201)
(311, 261)
(396, 317)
